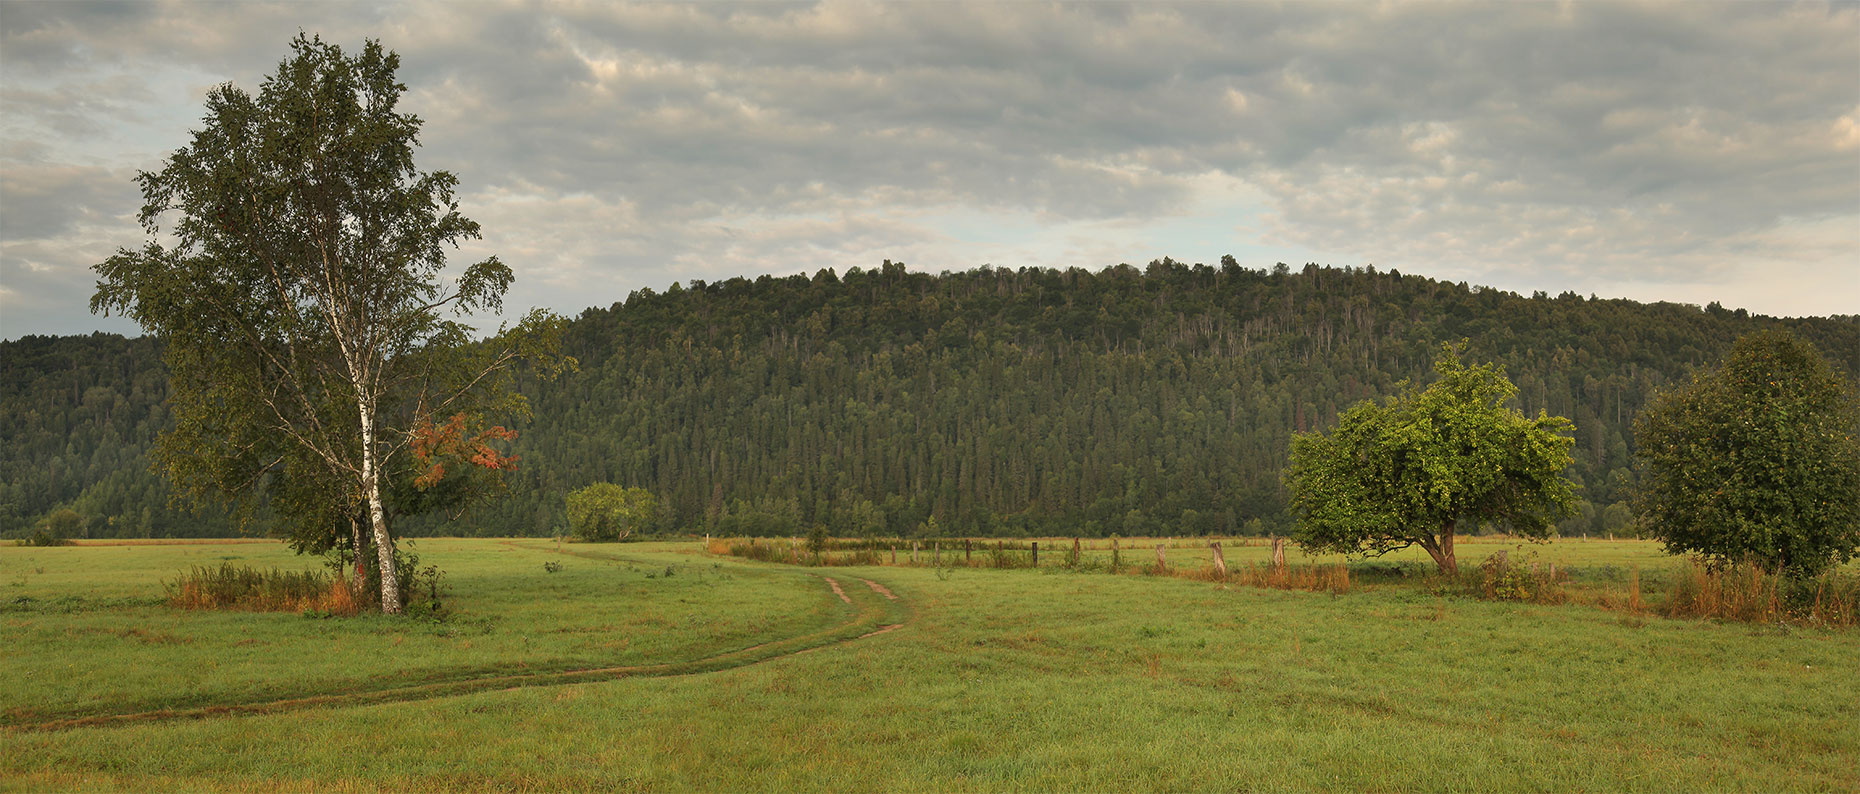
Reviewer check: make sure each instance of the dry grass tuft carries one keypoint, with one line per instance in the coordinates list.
(1746, 592)
(1315, 577)
(250, 589)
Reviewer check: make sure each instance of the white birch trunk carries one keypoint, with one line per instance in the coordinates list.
(371, 486)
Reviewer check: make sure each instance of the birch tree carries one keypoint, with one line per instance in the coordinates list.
(314, 335)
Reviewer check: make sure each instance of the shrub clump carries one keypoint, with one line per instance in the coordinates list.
(43, 537)
(1532, 582)
(56, 529)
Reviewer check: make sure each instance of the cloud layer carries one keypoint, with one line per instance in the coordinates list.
(1688, 152)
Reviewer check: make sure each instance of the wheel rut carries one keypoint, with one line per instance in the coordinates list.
(868, 620)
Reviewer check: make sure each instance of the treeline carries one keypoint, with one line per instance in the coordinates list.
(80, 415)
(1137, 401)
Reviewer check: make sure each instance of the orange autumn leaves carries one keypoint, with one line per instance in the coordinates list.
(436, 444)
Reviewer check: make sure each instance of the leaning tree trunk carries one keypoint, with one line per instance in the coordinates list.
(1441, 549)
(1446, 549)
(371, 486)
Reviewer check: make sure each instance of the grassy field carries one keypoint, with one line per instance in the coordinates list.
(727, 674)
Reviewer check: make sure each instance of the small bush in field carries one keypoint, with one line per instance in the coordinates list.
(1530, 581)
(760, 552)
(605, 513)
(56, 529)
(43, 537)
(423, 598)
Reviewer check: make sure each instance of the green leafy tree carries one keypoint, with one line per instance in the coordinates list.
(1757, 458)
(56, 529)
(1426, 463)
(1617, 518)
(604, 512)
(308, 325)
(817, 539)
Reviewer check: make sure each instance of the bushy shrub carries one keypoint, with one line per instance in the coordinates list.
(1529, 580)
(56, 529)
(43, 537)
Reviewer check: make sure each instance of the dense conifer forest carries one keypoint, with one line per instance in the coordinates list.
(1138, 401)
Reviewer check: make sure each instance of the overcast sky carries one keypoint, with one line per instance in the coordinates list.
(1689, 152)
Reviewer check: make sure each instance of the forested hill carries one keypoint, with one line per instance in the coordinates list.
(1128, 400)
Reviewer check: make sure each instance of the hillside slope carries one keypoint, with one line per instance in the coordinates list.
(1127, 400)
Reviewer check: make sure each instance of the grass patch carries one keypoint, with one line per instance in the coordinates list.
(508, 615)
(1016, 679)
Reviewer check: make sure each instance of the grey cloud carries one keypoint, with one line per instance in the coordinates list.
(81, 109)
(634, 143)
(45, 201)
(45, 288)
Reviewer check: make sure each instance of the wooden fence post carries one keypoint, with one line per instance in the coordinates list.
(913, 552)
(1115, 558)
(967, 552)
(894, 554)
(1220, 562)
(1036, 554)
(1075, 552)
(936, 552)
(1162, 566)
(1278, 552)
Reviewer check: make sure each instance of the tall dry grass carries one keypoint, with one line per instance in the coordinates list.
(1315, 577)
(1746, 592)
(250, 589)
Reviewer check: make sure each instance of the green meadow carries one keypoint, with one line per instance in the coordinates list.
(657, 666)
